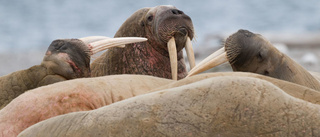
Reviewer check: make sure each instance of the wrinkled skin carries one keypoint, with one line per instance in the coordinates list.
(158, 24)
(71, 96)
(250, 52)
(65, 59)
(218, 104)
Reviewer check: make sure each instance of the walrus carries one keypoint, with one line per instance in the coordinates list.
(85, 94)
(168, 30)
(250, 52)
(65, 59)
(225, 105)
(74, 95)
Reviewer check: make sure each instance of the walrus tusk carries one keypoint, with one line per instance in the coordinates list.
(190, 53)
(217, 58)
(101, 45)
(172, 49)
(90, 39)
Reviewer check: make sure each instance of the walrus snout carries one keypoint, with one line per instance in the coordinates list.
(174, 28)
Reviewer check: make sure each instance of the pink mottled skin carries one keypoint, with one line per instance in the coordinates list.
(71, 96)
(158, 24)
(61, 103)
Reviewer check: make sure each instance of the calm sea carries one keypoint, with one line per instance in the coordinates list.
(33, 24)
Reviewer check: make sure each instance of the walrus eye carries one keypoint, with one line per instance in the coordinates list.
(150, 18)
(260, 56)
(266, 73)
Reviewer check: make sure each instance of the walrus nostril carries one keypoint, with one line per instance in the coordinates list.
(245, 32)
(177, 12)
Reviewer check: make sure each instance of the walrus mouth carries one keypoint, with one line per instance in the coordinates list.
(172, 49)
(100, 43)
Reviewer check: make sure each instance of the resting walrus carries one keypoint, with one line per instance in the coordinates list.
(166, 27)
(75, 95)
(223, 104)
(249, 52)
(65, 59)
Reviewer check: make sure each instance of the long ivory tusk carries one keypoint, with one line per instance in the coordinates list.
(217, 58)
(101, 45)
(172, 49)
(190, 53)
(90, 39)
(210, 57)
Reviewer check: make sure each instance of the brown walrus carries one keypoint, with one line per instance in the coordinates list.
(249, 52)
(166, 27)
(65, 59)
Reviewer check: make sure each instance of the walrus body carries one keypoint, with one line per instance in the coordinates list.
(158, 24)
(71, 96)
(217, 104)
(64, 59)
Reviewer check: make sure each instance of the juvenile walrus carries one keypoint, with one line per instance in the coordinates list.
(65, 59)
(166, 27)
(249, 52)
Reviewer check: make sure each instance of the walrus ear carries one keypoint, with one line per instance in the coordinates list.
(134, 25)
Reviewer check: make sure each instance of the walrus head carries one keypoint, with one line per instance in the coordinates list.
(250, 52)
(70, 58)
(168, 30)
(166, 22)
(244, 47)
(241, 49)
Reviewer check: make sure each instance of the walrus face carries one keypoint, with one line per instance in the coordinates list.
(72, 52)
(169, 30)
(249, 52)
(70, 58)
(166, 22)
(245, 51)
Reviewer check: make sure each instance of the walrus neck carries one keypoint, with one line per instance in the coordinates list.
(137, 59)
(29, 78)
(154, 61)
(297, 74)
(35, 76)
